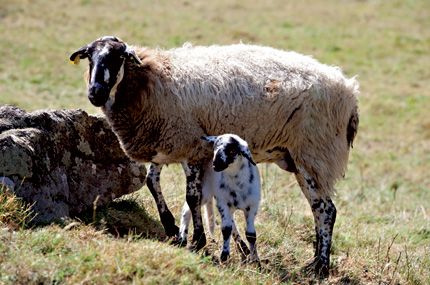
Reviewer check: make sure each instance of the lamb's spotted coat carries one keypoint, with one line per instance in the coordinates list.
(232, 178)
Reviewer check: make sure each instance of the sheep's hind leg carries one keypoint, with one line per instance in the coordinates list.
(194, 174)
(324, 213)
(166, 217)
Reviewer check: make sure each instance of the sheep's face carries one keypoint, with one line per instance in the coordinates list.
(227, 149)
(106, 57)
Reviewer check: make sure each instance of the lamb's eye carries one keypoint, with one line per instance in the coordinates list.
(231, 152)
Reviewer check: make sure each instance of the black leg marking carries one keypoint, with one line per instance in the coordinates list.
(324, 213)
(166, 217)
(226, 234)
(251, 237)
(194, 175)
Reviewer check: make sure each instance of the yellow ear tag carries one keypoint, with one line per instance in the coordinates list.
(77, 59)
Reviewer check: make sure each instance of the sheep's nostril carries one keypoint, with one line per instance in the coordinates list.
(97, 94)
(95, 89)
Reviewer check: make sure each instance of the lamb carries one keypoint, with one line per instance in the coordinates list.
(292, 110)
(232, 178)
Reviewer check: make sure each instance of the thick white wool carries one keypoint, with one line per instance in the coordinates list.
(231, 73)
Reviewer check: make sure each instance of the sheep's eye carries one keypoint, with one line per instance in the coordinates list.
(231, 152)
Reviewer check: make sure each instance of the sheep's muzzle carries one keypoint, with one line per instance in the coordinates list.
(98, 94)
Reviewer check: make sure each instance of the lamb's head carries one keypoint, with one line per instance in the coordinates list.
(106, 57)
(228, 149)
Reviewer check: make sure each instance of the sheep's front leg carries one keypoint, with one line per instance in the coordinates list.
(324, 213)
(194, 174)
(166, 217)
(251, 234)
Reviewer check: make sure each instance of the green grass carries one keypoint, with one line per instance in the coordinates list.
(382, 233)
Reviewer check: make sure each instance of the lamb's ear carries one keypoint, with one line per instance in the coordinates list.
(246, 153)
(130, 54)
(211, 139)
(77, 55)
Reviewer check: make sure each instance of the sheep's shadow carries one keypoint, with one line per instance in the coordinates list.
(125, 217)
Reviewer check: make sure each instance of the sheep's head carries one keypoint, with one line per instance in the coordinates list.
(227, 148)
(106, 57)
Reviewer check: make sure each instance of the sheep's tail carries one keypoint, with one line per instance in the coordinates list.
(352, 127)
(354, 119)
(210, 217)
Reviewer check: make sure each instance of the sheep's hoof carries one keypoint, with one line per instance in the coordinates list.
(198, 244)
(318, 267)
(171, 231)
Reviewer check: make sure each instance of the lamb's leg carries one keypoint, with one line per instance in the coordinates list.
(251, 234)
(324, 213)
(166, 217)
(185, 222)
(226, 229)
(194, 174)
(210, 217)
(240, 244)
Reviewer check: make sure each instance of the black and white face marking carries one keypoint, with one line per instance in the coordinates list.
(226, 150)
(106, 71)
(106, 58)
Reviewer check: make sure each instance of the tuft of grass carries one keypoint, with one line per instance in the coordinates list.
(14, 212)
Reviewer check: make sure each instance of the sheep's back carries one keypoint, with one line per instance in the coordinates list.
(274, 99)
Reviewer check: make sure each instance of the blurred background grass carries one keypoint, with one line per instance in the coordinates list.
(385, 197)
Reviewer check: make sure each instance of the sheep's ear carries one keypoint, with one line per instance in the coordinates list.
(130, 54)
(77, 55)
(211, 139)
(246, 153)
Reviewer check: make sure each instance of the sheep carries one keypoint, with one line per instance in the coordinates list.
(292, 110)
(232, 178)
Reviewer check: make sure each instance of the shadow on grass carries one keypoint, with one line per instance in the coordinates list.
(124, 217)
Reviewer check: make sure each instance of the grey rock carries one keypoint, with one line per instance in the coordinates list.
(6, 184)
(62, 160)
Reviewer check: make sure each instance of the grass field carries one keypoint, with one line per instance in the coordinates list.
(382, 233)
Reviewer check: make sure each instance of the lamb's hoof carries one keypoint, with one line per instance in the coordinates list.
(198, 244)
(224, 256)
(255, 262)
(180, 242)
(243, 249)
(318, 267)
